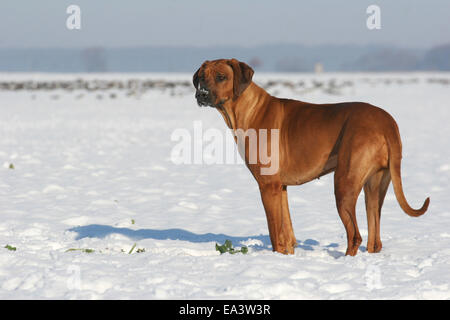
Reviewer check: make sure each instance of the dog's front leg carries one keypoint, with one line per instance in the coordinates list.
(274, 197)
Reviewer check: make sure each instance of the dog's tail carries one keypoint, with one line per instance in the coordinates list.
(395, 156)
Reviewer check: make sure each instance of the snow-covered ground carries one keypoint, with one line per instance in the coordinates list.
(87, 170)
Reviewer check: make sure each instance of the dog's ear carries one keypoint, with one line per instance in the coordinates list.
(195, 79)
(242, 77)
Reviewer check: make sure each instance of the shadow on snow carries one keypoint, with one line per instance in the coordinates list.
(102, 231)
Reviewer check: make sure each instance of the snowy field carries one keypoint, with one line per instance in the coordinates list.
(85, 176)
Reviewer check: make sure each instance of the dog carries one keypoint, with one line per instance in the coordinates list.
(357, 141)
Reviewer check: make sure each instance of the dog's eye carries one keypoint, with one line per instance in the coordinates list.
(220, 77)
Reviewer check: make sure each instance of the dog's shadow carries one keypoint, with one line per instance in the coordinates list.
(262, 243)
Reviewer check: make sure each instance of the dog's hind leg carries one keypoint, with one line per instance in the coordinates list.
(351, 173)
(374, 191)
(346, 205)
(360, 156)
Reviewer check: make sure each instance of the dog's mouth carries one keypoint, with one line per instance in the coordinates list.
(202, 103)
(208, 103)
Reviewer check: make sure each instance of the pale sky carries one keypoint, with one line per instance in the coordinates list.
(118, 23)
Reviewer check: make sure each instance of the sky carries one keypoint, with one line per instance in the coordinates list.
(118, 23)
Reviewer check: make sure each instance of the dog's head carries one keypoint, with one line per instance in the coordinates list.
(219, 81)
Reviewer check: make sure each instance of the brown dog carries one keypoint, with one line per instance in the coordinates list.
(358, 141)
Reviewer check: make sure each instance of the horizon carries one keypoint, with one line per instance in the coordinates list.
(265, 58)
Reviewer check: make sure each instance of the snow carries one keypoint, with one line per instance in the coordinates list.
(95, 172)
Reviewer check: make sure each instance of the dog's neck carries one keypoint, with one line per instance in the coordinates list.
(238, 113)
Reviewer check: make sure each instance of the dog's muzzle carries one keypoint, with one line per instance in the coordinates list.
(203, 97)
